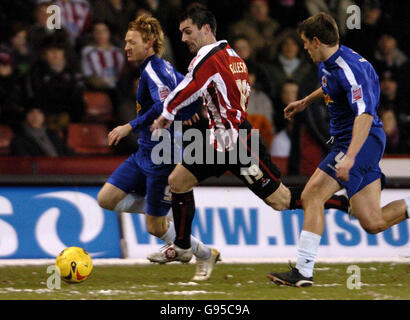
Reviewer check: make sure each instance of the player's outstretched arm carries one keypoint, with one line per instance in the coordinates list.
(300, 105)
(116, 134)
(161, 123)
(361, 129)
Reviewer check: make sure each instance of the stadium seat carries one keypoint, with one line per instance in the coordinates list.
(98, 106)
(6, 134)
(88, 138)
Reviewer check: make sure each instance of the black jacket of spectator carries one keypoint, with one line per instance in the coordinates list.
(25, 145)
(56, 92)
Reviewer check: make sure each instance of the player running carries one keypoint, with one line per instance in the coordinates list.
(138, 176)
(220, 76)
(350, 89)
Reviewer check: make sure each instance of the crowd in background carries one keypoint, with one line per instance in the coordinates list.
(45, 74)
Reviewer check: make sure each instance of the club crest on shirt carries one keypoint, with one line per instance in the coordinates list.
(357, 93)
(324, 81)
(138, 107)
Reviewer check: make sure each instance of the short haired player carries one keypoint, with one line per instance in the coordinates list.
(220, 76)
(350, 89)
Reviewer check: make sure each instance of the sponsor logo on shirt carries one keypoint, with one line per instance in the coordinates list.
(357, 93)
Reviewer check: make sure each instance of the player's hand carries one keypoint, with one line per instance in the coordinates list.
(161, 123)
(343, 168)
(190, 122)
(118, 133)
(295, 107)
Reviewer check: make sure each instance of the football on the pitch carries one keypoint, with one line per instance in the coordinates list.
(74, 264)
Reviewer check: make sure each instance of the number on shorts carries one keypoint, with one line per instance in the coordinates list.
(252, 171)
(339, 157)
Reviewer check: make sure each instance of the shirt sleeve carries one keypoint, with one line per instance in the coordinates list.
(189, 90)
(158, 92)
(361, 87)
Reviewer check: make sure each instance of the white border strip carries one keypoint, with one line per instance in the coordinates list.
(125, 262)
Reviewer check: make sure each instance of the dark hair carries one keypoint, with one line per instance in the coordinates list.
(200, 17)
(322, 26)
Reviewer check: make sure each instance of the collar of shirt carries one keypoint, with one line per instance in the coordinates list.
(331, 61)
(144, 64)
(205, 49)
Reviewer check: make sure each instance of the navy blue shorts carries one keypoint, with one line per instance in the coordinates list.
(366, 168)
(137, 174)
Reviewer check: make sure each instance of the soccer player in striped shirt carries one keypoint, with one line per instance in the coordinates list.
(351, 91)
(220, 76)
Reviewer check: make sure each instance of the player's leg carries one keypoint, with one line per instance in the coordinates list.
(366, 208)
(318, 190)
(262, 176)
(182, 181)
(117, 193)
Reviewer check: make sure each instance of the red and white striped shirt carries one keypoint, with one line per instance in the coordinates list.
(220, 76)
(103, 63)
(75, 16)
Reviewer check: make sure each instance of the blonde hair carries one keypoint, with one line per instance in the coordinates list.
(150, 29)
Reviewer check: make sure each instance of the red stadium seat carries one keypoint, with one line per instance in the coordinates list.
(6, 134)
(98, 106)
(88, 138)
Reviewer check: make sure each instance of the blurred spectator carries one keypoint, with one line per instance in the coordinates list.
(75, 18)
(288, 93)
(364, 40)
(243, 48)
(260, 110)
(34, 139)
(388, 56)
(55, 88)
(288, 13)
(390, 127)
(336, 8)
(102, 63)
(39, 31)
(259, 102)
(290, 63)
(117, 14)
(281, 143)
(390, 93)
(260, 29)
(11, 93)
(20, 49)
(310, 132)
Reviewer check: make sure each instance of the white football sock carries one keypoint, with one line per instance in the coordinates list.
(407, 200)
(132, 202)
(307, 251)
(201, 252)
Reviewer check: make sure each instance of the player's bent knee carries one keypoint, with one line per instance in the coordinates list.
(280, 199)
(155, 229)
(374, 227)
(177, 183)
(104, 202)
